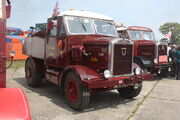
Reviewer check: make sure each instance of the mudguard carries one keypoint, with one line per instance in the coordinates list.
(143, 61)
(82, 72)
(14, 104)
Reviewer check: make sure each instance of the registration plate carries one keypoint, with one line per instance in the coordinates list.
(163, 58)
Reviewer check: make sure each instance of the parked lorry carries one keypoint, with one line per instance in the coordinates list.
(150, 54)
(81, 53)
(13, 102)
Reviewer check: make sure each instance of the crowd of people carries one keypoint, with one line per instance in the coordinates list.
(174, 54)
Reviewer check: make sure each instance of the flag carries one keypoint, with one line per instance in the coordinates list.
(168, 35)
(56, 10)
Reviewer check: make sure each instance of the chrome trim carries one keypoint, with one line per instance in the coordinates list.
(157, 51)
(121, 75)
(111, 52)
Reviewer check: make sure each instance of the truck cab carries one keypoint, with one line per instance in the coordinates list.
(80, 52)
(150, 54)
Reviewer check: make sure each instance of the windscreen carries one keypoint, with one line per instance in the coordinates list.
(140, 35)
(148, 35)
(105, 28)
(79, 25)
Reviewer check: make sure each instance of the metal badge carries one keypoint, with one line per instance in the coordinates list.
(163, 47)
(123, 51)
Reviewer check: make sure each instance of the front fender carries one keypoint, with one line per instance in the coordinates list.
(82, 72)
(144, 61)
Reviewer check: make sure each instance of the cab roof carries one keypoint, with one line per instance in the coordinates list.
(139, 28)
(82, 13)
(133, 28)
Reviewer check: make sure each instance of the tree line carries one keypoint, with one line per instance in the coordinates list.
(174, 27)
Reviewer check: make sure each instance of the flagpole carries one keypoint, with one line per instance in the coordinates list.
(56, 10)
(171, 34)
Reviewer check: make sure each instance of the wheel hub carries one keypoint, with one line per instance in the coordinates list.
(72, 90)
(29, 72)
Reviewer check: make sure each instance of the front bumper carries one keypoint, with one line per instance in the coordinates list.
(167, 67)
(117, 82)
(161, 66)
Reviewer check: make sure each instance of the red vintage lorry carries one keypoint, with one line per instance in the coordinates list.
(13, 102)
(81, 53)
(150, 54)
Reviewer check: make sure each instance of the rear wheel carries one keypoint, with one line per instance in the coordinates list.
(130, 92)
(76, 95)
(32, 75)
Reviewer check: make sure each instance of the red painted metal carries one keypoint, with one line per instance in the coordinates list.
(3, 44)
(13, 104)
(113, 83)
(138, 43)
(83, 72)
(139, 28)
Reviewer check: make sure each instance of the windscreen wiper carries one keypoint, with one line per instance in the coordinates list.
(83, 26)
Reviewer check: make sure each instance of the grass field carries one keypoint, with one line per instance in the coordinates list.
(16, 64)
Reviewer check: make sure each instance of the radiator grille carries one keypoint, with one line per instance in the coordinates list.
(162, 50)
(122, 59)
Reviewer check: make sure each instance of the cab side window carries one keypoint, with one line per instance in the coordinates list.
(62, 28)
(52, 27)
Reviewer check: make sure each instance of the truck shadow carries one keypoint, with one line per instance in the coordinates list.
(156, 78)
(102, 100)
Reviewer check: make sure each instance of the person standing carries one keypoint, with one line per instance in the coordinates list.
(172, 52)
(177, 57)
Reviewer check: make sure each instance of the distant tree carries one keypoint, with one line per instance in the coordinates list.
(174, 28)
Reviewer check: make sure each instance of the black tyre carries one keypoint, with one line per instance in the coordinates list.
(32, 75)
(163, 73)
(130, 92)
(76, 95)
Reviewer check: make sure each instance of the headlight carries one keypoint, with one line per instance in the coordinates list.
(170, 59)
(155, 61)
(137, 71)
(107, 74)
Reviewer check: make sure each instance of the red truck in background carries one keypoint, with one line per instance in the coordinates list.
(81, 53)
(13, 102)
(150, 54)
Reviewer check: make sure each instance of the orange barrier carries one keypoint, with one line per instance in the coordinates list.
(17, 47)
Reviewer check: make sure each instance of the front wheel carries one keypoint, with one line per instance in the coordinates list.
(76, 95)
(130, 92)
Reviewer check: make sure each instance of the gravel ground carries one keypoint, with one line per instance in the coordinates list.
(159, 100)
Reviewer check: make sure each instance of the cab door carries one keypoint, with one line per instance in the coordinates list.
(62, 40)
(51, 43)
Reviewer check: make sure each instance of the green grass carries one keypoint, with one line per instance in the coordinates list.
(16, 64)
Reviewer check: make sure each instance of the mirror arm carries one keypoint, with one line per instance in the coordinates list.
(11, 62)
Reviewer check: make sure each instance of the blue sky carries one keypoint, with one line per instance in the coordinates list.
(148, 13)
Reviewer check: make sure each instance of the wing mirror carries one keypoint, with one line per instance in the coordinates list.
(8, 11)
